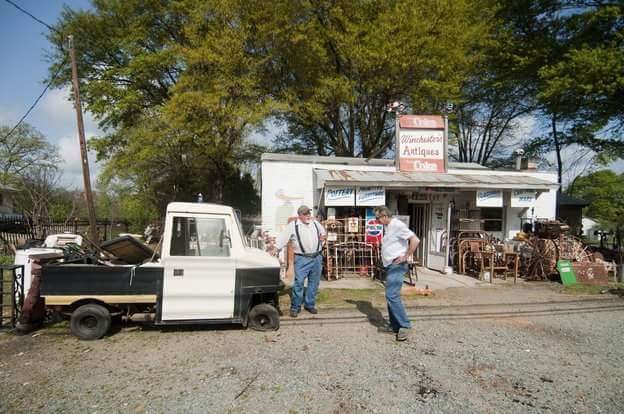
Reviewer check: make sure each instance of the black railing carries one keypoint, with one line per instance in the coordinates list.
(11, 294)
(17, 230)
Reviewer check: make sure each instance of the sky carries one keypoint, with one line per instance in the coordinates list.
(24, 47)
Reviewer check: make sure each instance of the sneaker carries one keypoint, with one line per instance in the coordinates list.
(386, 329)
(402, 334)
(313, 311)
(293, 314)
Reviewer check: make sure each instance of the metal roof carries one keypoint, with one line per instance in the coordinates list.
(396, 179)
(322, 159)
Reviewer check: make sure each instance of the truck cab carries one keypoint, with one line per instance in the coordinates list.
(206, 274)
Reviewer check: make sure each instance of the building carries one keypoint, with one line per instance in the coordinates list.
(499, 202)
(571, 212)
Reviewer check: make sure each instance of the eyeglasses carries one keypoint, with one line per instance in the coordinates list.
(309, 213)
(380, 216)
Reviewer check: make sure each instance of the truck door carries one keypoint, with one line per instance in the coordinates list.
(199, 268)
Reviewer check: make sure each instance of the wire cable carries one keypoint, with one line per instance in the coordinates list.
(32, 16)
(58, 71)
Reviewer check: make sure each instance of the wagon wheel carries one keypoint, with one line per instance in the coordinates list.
(573, 249)
(543, 259)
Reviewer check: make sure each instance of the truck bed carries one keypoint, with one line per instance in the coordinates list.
(62, 284)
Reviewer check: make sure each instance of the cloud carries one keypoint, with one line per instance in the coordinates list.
(71, 166)
(57, 108)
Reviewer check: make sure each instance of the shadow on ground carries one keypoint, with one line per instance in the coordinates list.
(373, 314)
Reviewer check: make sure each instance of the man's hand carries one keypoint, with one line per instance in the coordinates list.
(400, 259)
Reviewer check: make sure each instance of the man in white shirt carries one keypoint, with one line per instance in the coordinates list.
(307, 235)
(397, 247)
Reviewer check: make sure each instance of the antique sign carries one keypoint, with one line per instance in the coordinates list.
(421, 143)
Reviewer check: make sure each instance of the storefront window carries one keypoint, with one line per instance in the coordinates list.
(492, 218)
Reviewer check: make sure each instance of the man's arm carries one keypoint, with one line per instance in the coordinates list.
(284, 237)
(413, 244)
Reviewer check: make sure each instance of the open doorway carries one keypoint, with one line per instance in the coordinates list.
(420, 226)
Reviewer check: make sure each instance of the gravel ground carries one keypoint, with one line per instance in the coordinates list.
(500, 349)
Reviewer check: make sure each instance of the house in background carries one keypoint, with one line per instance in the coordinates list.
(589, 226)
(571, 212)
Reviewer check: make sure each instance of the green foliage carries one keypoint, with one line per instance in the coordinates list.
(335, 65)
(25, 149)
(604, 190)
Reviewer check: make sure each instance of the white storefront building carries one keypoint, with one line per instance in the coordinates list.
(433, 202)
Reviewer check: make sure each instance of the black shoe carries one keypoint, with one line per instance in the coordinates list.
(313, 311)
(386, 329)
(293, 314)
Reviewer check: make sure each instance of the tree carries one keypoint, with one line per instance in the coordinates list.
(23, 150)
(336, 65)
(170, 84)
(36, 188)
(604, 191)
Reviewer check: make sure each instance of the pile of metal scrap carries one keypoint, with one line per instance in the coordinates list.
(548, 244)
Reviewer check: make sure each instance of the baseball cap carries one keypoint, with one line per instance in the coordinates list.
(303, 210)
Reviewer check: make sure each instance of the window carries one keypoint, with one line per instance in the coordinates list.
(193, 236)
(492, 218)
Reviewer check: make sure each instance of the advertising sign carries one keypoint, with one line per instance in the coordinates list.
(374, 229)
(489, 198)
(370, 196)
(523, 198)
(339, 196)
(421, 143)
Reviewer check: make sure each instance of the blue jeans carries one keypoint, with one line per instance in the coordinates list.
(309, 267)
(396, 309)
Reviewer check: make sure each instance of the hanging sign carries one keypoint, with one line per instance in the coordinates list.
(370, 196)
(339, 196)
(421, 143)
(489, 198)
(523, 198)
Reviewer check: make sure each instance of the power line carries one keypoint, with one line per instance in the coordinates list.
(58, 71)
(32, 16)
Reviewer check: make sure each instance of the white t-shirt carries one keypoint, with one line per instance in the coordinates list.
(307, 232)
(395, 241)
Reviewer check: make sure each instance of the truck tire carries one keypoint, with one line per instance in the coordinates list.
(264, 317)
(90, 321)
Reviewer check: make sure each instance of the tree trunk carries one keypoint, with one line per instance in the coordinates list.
(559, 162)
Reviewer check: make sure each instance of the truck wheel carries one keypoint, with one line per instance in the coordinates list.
(90, 321)
(264, 317)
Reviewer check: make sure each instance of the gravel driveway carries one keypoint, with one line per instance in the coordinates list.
(472, 350)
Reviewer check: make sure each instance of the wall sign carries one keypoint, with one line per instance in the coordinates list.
(523, 198)
(421, 143)
(339, 196)
(374, 229)
(370, 196)
(489, 198)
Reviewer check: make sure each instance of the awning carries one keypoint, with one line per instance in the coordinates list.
(397, 179)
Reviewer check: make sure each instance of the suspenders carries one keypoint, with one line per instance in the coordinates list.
(318, 237)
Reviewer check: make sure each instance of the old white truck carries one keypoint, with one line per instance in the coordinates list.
(206, 274)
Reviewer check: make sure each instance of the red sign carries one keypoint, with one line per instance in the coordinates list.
(421, 143)
(421, 121)
(374, 231)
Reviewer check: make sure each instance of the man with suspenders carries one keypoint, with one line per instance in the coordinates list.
(307, 235)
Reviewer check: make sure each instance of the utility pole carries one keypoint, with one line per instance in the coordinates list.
(93, 233)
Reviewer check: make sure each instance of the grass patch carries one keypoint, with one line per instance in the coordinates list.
(586, 289)
(332, 298)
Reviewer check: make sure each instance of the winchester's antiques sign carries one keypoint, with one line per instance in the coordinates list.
(421, 143)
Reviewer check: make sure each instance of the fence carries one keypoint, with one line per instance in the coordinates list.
(348, 251)
(11, 294)
(17, 231)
